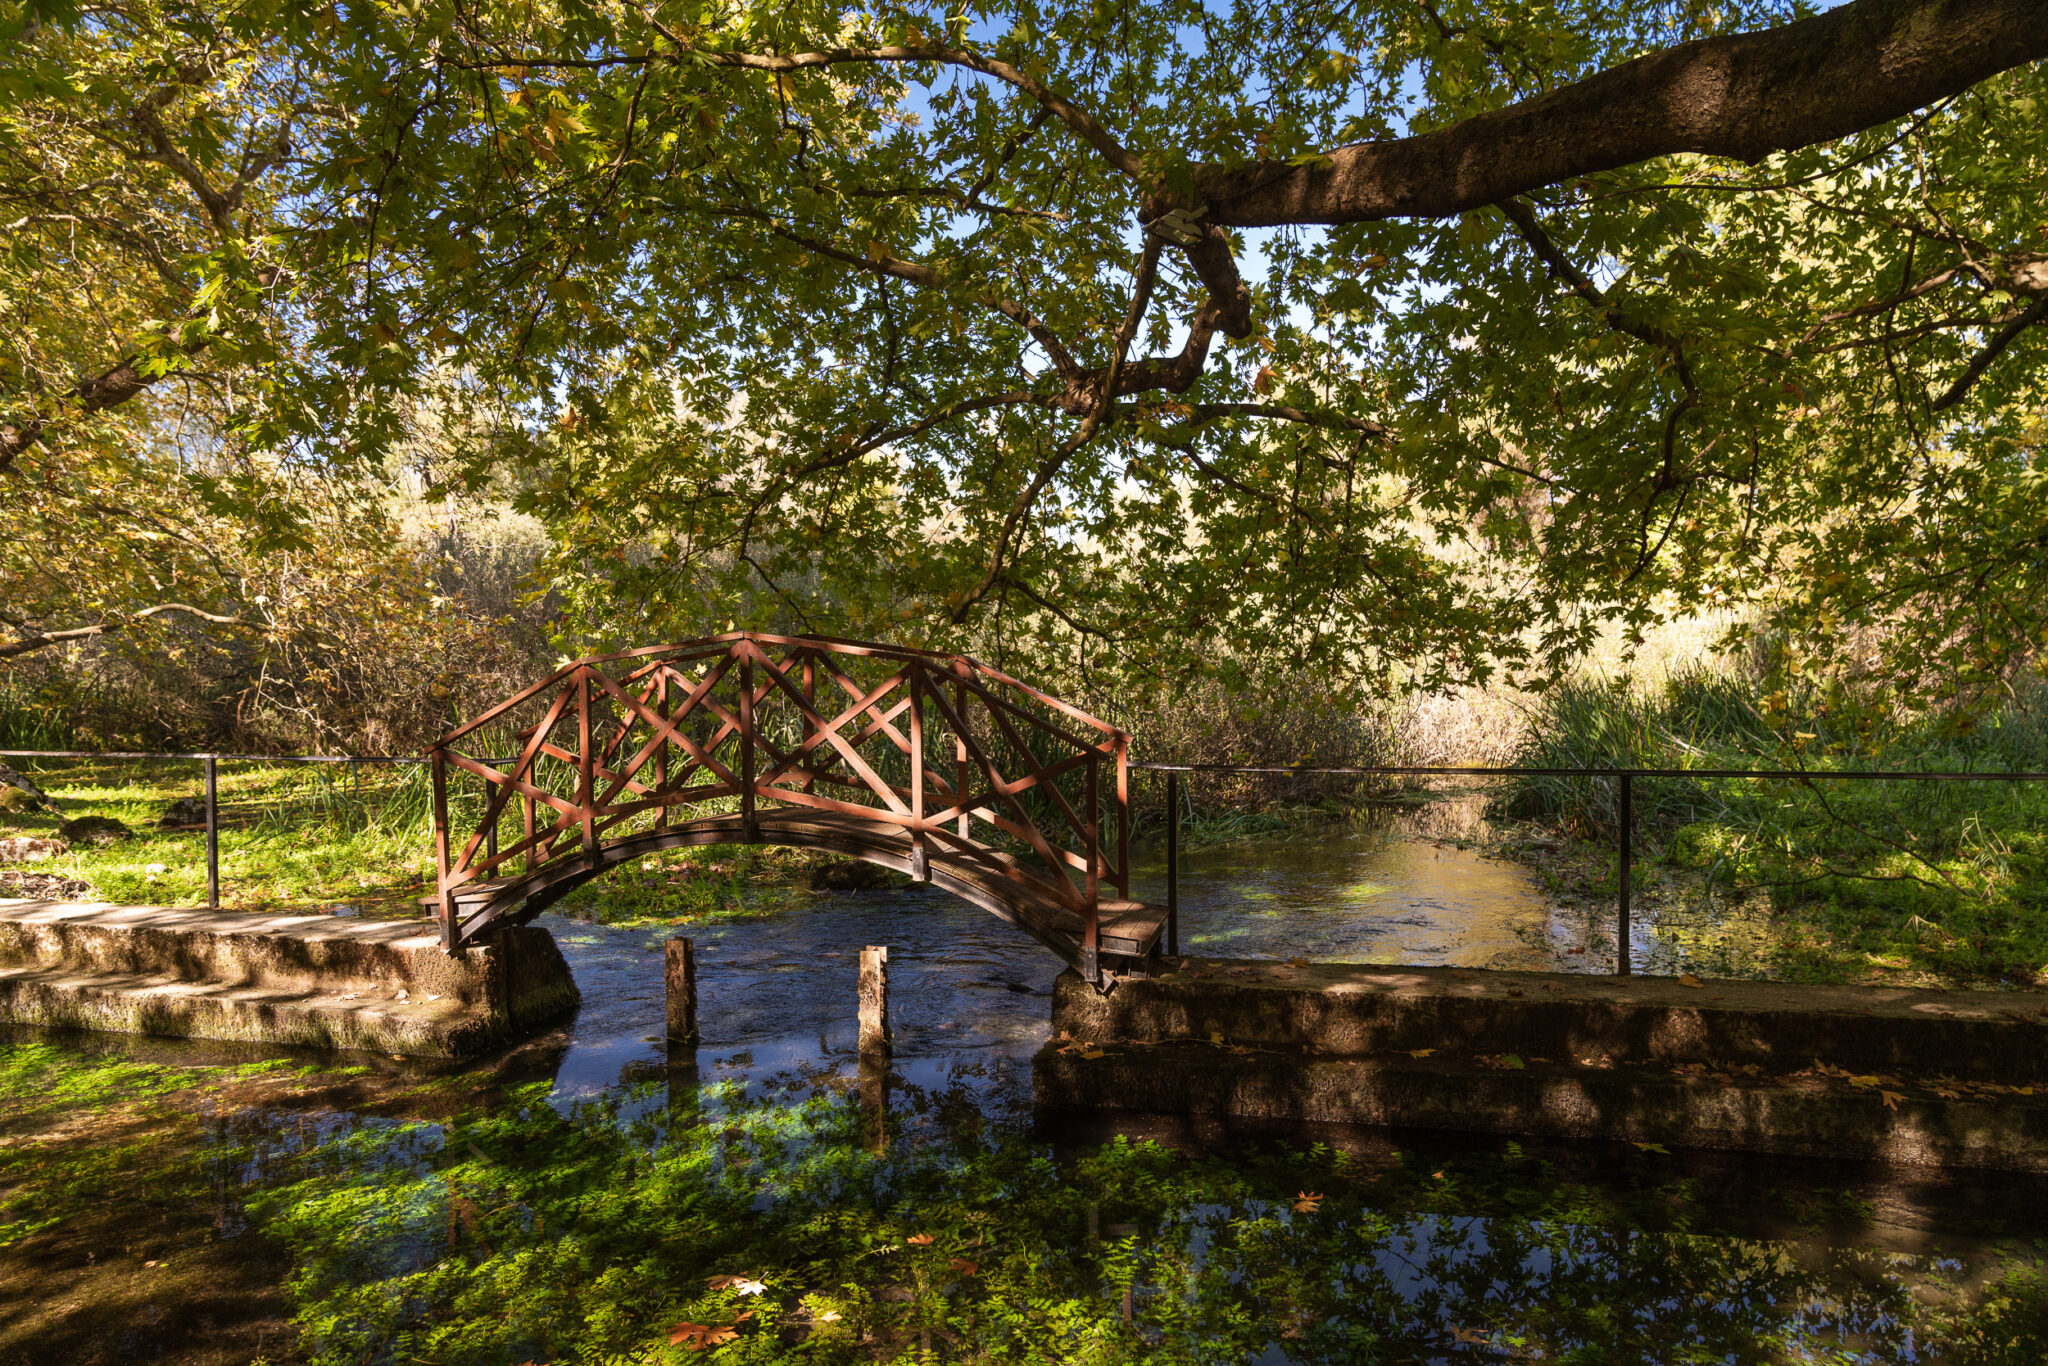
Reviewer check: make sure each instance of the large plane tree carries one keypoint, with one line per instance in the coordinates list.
(1395, 334)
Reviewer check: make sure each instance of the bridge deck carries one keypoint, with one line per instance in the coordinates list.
(1128, 929)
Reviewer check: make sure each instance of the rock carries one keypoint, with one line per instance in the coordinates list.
(184, 811)
(18, 793)
(44, 886)
(851, 875)
(95, 832)
(30, 849)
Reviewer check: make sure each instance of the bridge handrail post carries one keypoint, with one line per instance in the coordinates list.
(586, 765)
(920, 858)
(744, 648)
(439, 764)
(661, 755)
(1091, 962)
(960, 744)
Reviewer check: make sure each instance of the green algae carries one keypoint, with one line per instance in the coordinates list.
(597, 1234)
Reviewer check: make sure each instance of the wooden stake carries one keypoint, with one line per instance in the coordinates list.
(682, 991)
(874, 1001)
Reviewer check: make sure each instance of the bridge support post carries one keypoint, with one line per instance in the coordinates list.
(875, 1039)
(681, 980)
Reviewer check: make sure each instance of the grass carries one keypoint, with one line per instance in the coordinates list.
(297, 837)
(1938, 882)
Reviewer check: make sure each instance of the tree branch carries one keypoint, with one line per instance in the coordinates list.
(1741, 95)
(41, 639)
(1982, 360)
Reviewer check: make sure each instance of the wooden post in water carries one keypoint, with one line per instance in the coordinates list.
(681, 978)
(875, 1039)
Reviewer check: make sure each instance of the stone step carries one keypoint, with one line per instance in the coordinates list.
(312, 979)
(129, 1003)
(287, 952)
(1349, 1010)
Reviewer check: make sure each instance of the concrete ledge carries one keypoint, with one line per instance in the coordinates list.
(1925, 1078)
(1344, 1009)
(306, 980)
(1811, 1115)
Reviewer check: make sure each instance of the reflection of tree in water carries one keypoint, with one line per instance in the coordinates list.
(519, 1230)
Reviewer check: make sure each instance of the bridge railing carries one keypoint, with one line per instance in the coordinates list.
(954, 758)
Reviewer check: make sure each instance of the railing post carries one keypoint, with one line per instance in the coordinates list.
(443, 906)
(1091, 960)
(491, 835)
(661, 755)
(1173, 865)
(810, 726)
(960, 744)
(748, 823)
(532, 854)
(1123, 816)
(920, 858)
(586, 765)
(212, 834)
(1625, 876)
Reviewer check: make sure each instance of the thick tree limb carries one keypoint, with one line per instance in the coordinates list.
(1743, 95)
(115, 386)
(38, 640)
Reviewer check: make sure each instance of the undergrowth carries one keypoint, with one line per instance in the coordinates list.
(1934, 879)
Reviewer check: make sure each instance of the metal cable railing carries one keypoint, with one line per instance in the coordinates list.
(1623, 778)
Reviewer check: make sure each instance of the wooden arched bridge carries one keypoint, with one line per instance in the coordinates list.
(934, 765)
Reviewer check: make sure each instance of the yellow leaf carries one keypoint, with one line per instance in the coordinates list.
(1091, 1053)
(1891, 1099)
(1420, 1052)
(1686, 979)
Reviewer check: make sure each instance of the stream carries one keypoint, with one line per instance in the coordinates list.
(578, 1197)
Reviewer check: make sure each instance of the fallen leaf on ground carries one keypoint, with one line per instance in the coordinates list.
(963, 1266)
(699, 1337)
(1468, 1335)
(919, 1240)
(1865, 1082)
(1297, 962)
(1891, 1099)
(1654, 1148)
(1091, 1053)
(1420, 1052)
(1686, 979)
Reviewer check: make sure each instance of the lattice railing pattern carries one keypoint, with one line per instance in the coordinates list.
(953, 755)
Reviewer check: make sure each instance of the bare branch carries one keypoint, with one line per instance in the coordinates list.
(42, 639)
